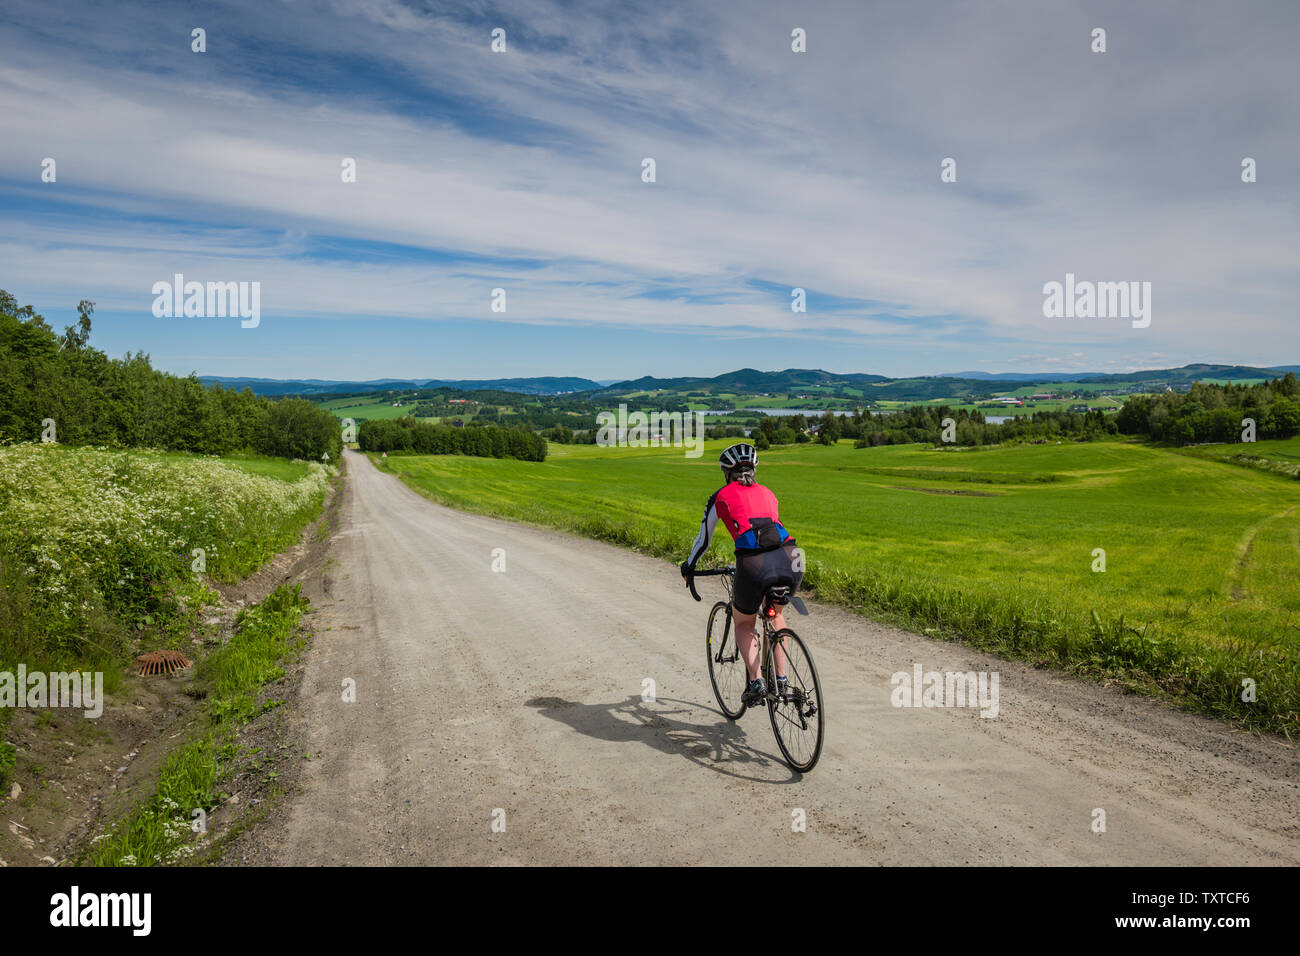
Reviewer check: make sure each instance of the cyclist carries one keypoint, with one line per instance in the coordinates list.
(765, 555)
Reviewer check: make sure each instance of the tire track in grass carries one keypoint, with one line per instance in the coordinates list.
(1237, 590)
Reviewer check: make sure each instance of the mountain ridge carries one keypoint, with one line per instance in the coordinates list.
(745, 380)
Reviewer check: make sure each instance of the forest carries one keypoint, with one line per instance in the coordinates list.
(56, 387)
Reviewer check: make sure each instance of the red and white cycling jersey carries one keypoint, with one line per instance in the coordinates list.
(749, 513)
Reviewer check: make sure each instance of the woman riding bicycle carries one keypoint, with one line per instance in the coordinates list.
(765, 555)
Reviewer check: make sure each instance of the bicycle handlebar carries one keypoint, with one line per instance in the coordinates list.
(690, 580)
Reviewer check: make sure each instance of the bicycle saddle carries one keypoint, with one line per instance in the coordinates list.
(779, 594)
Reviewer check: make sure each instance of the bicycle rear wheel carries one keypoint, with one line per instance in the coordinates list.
(726, 668)
(796, 715)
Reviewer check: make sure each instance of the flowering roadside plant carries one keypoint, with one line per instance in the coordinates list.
(89, 532)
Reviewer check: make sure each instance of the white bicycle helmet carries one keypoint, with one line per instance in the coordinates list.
(738, 458)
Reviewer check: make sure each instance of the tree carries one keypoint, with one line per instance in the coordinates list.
(76, 336)
(828, 429)
(1284, 417)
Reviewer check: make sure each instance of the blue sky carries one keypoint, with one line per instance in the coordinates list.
(522, 170)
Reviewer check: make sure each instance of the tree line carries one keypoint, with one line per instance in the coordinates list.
(925, 423)
(489, 407)
(57, 387)
(1215, 413)
(1206, 413)
(426, 438)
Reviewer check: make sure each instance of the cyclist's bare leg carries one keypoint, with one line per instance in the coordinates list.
(778, 623)
(746, 640)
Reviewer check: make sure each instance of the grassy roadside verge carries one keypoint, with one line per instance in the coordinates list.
(161, 829)
(139, 511)
(1003, 567)
(104, 552)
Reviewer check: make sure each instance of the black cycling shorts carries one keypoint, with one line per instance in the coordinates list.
(758, 571)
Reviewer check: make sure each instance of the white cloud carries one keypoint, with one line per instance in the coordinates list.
(818, 170)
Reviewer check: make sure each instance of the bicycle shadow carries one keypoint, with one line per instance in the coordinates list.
(718, 746)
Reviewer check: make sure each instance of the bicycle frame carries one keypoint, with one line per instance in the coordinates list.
(767, 647)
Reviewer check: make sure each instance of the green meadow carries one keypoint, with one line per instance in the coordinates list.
(1277, 455)
(996, 546)
(282, 468)
(1028, 409)
(359, 408)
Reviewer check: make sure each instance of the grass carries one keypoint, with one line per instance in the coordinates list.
(1280, 456)
(159, 829)
(250, 464)
(989, 406)
(281, 468)
(991, 546)
(8, 755)
(382, 408)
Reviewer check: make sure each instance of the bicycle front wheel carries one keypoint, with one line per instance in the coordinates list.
(796, 712)
(726, 668)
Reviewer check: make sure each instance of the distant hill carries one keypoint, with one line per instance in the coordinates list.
(1193, 373)
(750, 381)
(1188, 373)
(1020, 376)
(960, 386)
(546, 385)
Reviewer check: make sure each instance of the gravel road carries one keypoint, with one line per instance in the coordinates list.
(515, 697)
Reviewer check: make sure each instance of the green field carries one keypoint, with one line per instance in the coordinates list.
(1281, 450)
(359, 408)
(1279, 456)
(1042, 405)
(281, 468)
(1028, 409)
(993, 546)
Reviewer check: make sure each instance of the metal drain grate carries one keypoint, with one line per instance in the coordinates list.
(162, 662)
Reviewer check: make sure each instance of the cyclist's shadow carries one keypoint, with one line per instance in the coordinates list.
(718, 745)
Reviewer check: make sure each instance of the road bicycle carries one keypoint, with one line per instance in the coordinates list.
(794, 705)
